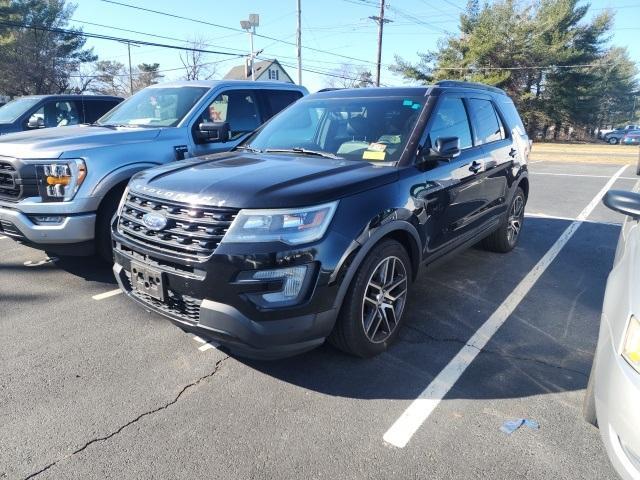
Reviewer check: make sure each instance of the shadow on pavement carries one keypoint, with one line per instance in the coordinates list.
(545, 346)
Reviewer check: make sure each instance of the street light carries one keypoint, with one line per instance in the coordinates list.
(250, 26)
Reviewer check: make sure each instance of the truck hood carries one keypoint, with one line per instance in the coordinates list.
(247, 180)
(54, 142)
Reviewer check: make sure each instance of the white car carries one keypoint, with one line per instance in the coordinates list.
(612, 400)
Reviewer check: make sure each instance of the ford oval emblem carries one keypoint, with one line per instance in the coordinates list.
(154, 221)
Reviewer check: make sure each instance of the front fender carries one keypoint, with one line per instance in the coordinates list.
(118, 176)
(360, 248)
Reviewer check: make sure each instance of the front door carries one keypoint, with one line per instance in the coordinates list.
(239, 108)
(453, 192)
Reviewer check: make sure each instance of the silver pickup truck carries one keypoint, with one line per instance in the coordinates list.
(60, 187)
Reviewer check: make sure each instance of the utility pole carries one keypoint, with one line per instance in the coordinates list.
(380, 20)
(250, 26)
(299, 43)
(130, 72)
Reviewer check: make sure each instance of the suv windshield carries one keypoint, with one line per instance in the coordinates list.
(12, 110)
(361, 128)
(156, 107)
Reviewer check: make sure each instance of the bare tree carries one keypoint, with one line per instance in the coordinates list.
(195, 62)
(350, 76)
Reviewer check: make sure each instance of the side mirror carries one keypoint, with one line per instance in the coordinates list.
(210, 132)
(446, 147)
(621, 201)
(35, 122)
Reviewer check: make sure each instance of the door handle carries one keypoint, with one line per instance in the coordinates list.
(475, 166)
(513, 152)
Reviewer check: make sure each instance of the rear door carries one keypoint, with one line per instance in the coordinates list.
(275, 101)
(500, 153)
(453, 191)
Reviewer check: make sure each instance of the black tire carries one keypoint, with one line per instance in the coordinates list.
(349, 333)
(612, 141)
(589, 402)
(106, 211)
(505, 238)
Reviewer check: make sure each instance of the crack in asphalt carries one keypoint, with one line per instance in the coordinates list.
(492, 352)
(135, 420)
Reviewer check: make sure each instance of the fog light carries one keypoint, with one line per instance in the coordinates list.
(293, 278)
(631, 349)
(46, 219)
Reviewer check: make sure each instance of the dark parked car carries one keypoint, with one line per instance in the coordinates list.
(317, 224)
(44, 111)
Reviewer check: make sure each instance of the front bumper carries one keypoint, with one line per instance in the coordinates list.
(73, 229)
(617, 389)
(278, 336)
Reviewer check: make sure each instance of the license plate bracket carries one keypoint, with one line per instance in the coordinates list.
(147, 280)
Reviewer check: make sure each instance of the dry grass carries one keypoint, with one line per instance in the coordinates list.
(587, 153)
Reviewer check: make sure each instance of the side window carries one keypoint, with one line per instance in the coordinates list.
(451, 121)
(486, 125)
(278, 100)
(94, 109)
(56, 114)
(236, 107)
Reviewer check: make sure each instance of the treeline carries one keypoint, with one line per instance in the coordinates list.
(557, 65)
(40, 61)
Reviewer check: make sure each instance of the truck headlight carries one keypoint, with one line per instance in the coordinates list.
(631, 349)
(293, 226)
(59, 180)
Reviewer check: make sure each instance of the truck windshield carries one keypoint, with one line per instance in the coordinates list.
(10, 112)
(155, 107)
(374, 129)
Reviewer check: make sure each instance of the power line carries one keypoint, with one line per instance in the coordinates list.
(203, 22)
(64, 31)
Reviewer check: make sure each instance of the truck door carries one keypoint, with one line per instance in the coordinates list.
(239, 108)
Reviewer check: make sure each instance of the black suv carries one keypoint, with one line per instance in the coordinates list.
(316, 225)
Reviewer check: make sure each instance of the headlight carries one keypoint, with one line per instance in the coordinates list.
(293, 226)
(631, 349)
(60, 180)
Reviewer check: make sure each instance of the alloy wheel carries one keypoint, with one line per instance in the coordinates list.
(384, 299)
(516, 215)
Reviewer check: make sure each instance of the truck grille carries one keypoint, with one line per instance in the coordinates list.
(9, 187)
(193, 231)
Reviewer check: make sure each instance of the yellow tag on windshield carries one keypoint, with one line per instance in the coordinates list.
(373, 155)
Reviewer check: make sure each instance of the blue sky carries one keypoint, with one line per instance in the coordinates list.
(336, 26)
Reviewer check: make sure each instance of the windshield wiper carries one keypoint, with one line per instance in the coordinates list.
(304, 151)
(249, 148)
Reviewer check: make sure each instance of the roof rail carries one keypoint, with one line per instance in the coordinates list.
(462, 84)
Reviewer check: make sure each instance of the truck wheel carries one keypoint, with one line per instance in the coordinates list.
(505, 238)
(589, 402)
(371, 315)
(106, 211)
(612, 141)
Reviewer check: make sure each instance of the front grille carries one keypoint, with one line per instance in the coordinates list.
(193, 231)
(9, 186)
(183, 306)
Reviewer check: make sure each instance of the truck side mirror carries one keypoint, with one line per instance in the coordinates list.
(210, 132)
(35, 122)
(621, 201)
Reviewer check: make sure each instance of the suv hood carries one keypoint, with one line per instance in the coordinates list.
(54, 142)
(247, 180)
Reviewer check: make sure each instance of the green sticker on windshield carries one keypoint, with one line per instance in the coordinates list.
(407, 103)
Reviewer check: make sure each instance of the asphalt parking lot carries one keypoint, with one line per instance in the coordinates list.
(93, 386)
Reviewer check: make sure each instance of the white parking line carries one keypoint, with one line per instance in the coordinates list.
(110, 293)
(2, 237)
(198, 339)
(206, 346)
(579, 175)
(421, 408)
(567, 219)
